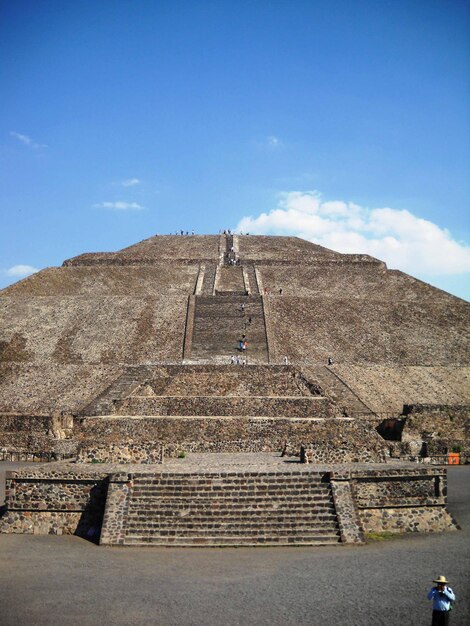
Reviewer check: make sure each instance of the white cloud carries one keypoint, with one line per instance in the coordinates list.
(273, 142)
(27, 141)
(20, 271)
(396, 236)
(131, 182)
(119, 206)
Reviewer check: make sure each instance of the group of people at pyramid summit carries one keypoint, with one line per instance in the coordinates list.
(237, 360)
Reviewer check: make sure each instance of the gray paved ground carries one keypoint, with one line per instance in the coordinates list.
(65, 580)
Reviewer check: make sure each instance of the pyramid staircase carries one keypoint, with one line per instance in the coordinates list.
(122, 387)
(332, 384)
(221, 321)
(226, 306)
(230, 509)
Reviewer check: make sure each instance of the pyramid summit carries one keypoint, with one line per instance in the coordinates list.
(229, 344)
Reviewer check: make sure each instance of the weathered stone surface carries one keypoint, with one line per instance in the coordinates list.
(115, 357)
(345, 441)
(121, 453)
(205, 501)
(346, 510)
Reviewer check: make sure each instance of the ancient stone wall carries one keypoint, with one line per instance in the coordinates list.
(402, 500)
(121, 453)
(344, 441)
(71, 499)
(235, 434)
(229, 380)
(36, 436)
(56, 501)
(216, 406)
(443, 428)
(346, 509)
(116, 510)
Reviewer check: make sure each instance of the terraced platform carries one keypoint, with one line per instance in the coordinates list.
(210, 390)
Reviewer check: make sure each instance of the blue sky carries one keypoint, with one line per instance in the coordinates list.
(343, 122)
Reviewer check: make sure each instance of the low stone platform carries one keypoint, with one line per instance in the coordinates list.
(226, 499)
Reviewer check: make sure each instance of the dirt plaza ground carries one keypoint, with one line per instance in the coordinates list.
(68, 581)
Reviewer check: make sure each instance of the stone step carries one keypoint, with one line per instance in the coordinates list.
(236, 501)
(230, 279)
(251, 274)
(229, 336)
(209, 278)
(286, 488)
(144, 513)
(228, 331)
(226, 531)
(207, 323)
(227, 506)
(141, 506)
(168, 521)
(231, 312)
(310, 540)
(227, 491)
(228, 298)
(242, 476)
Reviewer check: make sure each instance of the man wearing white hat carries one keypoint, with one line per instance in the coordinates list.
(442, 596)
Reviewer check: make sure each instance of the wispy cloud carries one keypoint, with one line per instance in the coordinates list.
(403, 240)
(131, 182)
(27, 141)
(273, 142)
(119, 206)
(269, 143)
(20, 271)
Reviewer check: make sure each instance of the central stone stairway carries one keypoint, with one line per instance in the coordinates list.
(231, 509)
(230, 281)
(221, 321)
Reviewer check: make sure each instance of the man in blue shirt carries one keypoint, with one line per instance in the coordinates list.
(441, 597)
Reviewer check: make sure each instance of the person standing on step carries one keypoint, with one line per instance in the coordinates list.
(442, 597)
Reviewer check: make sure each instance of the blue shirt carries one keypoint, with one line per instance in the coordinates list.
(441, 600)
